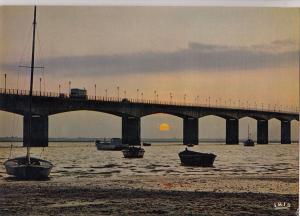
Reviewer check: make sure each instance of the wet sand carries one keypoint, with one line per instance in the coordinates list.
(148, 195)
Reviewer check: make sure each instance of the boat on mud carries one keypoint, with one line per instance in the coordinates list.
(133, 152)
(192, 158)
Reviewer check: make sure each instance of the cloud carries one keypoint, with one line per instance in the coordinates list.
(197, 56)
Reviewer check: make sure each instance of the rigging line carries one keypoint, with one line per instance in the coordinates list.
(40, 57)
(42, 152)
(15, 120)
(26, 47)
(10, 152)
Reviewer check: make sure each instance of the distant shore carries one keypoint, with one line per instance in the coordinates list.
(152, 140)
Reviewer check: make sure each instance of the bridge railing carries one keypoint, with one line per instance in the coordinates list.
(143, 101)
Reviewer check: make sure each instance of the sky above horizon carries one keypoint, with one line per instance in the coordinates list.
(227, 54)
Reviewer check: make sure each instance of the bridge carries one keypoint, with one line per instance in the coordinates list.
(131, 111)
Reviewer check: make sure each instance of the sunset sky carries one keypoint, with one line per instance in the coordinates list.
(225, 53)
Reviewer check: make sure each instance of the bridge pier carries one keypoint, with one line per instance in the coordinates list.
(39, 130)
(285, 132)
(262, 131)
(190, 131)
(232, 131)
(131, 130)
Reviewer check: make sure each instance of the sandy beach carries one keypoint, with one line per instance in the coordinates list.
(150, 195)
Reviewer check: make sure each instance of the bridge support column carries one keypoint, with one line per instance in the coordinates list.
(39, 130)
(232, 131)
(190, 131)
(285, 132)
(131, 130)
(262, 131)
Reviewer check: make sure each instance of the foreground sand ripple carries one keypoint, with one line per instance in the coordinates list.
(94, 198)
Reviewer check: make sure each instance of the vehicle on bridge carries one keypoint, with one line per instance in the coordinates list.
(78, 93)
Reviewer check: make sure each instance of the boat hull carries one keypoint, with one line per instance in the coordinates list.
(110, 148)
(115, 144)
(190, 158)
(249, 143)
(38, 169)
(133, 152)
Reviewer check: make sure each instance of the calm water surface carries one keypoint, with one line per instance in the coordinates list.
(83, 159)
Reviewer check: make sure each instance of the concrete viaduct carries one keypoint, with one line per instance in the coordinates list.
(131, 112)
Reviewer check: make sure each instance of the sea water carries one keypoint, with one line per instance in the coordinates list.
(84, 160)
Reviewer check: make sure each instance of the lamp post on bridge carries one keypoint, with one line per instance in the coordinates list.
(137, 94)
(142, 96)
(184, 98)
(40, 86)
(95, 91)
(58, 88)
(208, 101)
(105, 94)
(154, 95)
(118, 92)
(69, 87)
(5, 82)
(170, 97)
(239, 103)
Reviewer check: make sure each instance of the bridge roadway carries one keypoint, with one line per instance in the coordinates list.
(131, 112)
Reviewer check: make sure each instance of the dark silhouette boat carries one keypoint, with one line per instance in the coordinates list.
(249, 141)
(115, 144)
(146, 144)
(133, 152)
(27, 167)
(192, 158)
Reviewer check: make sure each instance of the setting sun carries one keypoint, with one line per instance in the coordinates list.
(164, 127)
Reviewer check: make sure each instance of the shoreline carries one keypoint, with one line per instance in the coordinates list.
(148, 195)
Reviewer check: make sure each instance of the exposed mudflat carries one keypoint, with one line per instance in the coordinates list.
(142, 196)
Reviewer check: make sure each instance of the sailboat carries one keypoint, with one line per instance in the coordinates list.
(27, 167)
(249, 141)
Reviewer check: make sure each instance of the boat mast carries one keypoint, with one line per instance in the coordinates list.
(31, 82)
(248, 132)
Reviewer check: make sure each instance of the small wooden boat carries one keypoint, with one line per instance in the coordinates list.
(146, 144)
(20, 168)
(133, 152)
(249, 141)
(192, 158)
